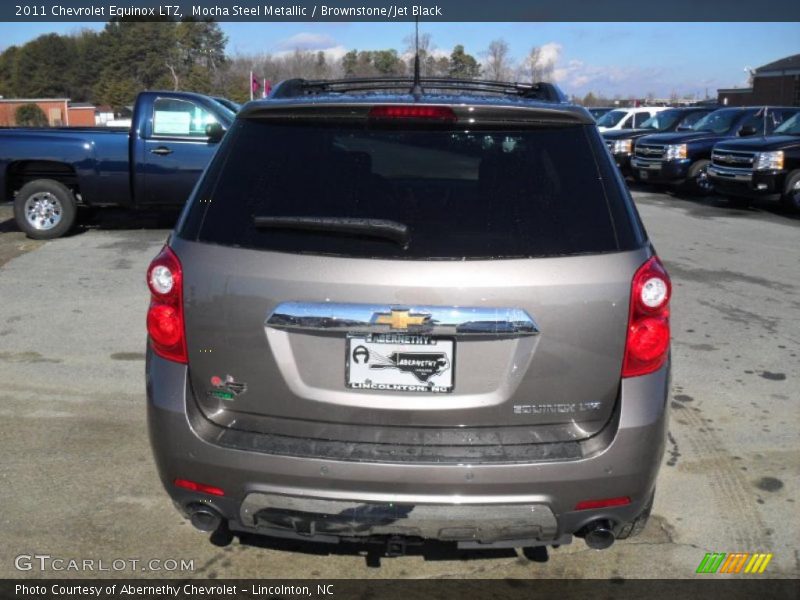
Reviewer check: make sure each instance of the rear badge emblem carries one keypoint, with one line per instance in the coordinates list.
(401, 319)
(226, 389)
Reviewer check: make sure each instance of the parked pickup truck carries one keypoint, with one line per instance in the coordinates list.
(621, 142)
(48, 173)
(682, 158)
(767, 166)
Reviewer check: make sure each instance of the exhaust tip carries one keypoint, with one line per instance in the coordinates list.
(204, 518)
(599, 535)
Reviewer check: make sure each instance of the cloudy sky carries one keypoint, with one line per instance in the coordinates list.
(610, 58)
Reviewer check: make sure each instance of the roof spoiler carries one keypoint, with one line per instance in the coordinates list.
(294, 88)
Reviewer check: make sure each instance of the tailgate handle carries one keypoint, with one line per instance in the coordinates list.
(460, 321)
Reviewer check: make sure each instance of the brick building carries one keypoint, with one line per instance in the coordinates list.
(775, 83)
(60, 112)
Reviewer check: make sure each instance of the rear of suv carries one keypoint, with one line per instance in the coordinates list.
(393, 317)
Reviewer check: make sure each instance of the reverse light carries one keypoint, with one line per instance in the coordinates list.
(647, 343)
(165, 323)
(654, 292)
(623, 146)
(161, 280)
(193, 486)
(675, 151)
(605, 503)
(769, 161)
(412, 111)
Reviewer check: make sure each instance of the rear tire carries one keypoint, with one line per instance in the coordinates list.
(45, 209)
(635, 527)
(697, 182)
(791, 192)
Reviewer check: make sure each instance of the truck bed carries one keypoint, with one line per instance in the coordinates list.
(95, 156)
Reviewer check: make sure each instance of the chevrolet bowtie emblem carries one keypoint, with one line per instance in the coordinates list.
(400, 319)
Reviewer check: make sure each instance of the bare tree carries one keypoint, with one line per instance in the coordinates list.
(426, 47)
(537, 67)
(307, 64)
(175, 78)
(498, 63)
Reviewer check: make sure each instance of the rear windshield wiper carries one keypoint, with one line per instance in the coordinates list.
(381, 228)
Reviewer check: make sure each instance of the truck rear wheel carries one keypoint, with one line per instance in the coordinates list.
(791, 194)
(45, 209)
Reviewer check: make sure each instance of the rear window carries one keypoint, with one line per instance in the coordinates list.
(461, 194)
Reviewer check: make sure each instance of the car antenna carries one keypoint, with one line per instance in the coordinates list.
(416, 86)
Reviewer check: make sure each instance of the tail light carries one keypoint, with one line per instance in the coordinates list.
(647, 343)
(412, 111)
(165, 325)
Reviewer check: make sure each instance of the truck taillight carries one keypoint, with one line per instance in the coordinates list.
(647, 343)
(165, 325)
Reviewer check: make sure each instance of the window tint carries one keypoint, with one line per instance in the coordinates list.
(462, 194)
(790, 126)
(627, 123)
(598, 112)
(690, 119)
(611, 118)
(640, 118)
(755, 121)
(781, 115)
(661, 120)
(181, 118)
(719, 121)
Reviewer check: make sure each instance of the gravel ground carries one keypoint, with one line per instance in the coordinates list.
(78, 481)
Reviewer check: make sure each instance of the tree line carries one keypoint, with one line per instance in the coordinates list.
(109, 67)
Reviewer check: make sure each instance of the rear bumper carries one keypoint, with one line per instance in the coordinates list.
(328, 500)
(660, 171)
(741, 182)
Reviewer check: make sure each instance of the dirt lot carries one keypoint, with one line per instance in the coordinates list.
(77, 479)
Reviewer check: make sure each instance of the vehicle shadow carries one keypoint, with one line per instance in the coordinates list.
(118, 219)
(106, 219)
(374, 551)
(8, 225)
(711, 204)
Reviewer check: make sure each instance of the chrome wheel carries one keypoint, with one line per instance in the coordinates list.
(794, 195)
(43, 211)
(702, 181)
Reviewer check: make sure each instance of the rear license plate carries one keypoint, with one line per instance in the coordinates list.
(399, 362)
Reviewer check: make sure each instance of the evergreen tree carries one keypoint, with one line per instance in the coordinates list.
(30, 115)
(463, 65)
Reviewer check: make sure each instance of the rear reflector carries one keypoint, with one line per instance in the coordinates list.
(412, 111)
(593, 504)
(198, 487)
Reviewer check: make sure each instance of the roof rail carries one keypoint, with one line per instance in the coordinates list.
(293, 88)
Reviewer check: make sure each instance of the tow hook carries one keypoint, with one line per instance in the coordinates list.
(395, 546)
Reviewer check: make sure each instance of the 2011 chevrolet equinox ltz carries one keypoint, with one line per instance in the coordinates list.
(389, 316)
